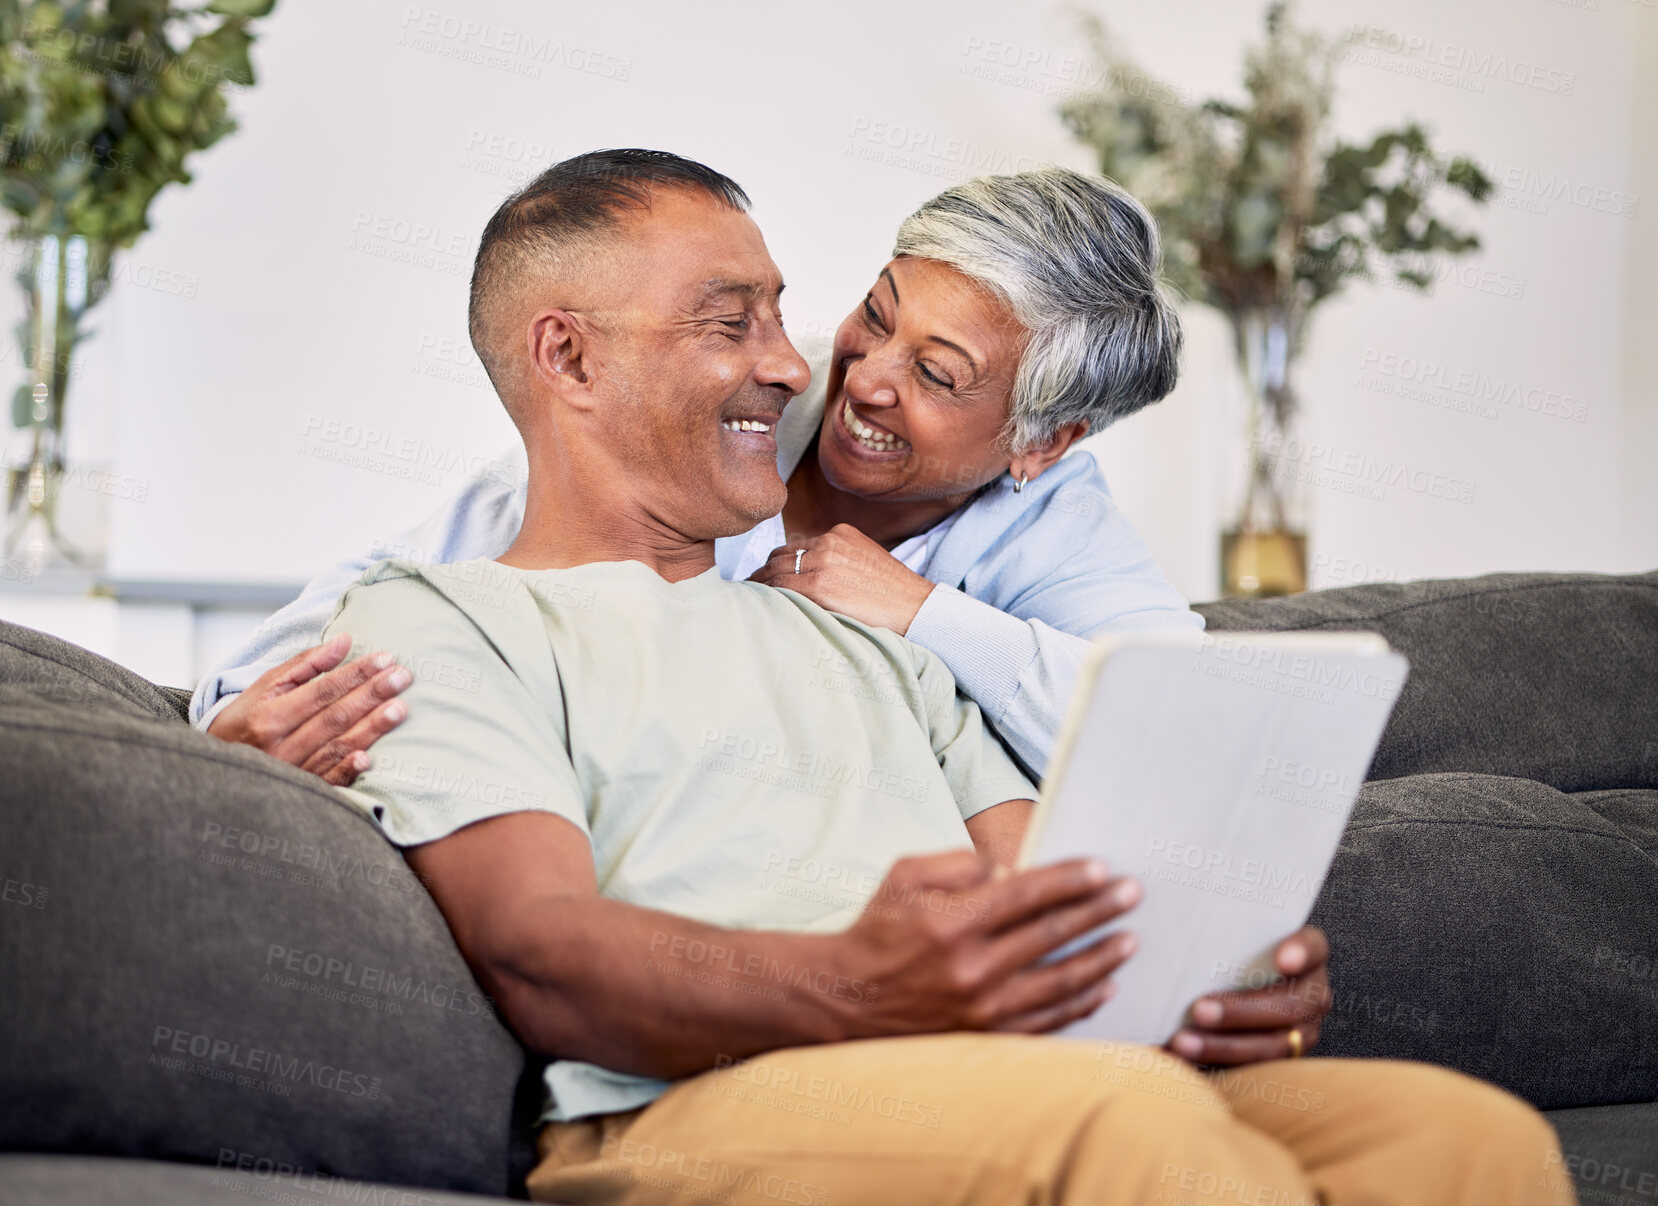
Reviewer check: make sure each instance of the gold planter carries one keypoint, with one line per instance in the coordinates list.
(1258, 564)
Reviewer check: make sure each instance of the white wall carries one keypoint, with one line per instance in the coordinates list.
(309, 326)
(1640, 436)
(1548, 492)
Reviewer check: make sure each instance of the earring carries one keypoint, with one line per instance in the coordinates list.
(1020, 484)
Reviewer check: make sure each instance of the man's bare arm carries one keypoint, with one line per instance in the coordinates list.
(998, 832)
(945, 945)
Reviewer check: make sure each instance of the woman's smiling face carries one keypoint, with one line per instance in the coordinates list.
(919, 386)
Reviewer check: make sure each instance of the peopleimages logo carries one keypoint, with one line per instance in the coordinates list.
(1302, 667)
(521, 52)
(446, 788)
(1482, 390)
(931, 152)
(1227, 865)
(1039, 70)
(1475, 64)
(713, 956)
(1302, 774)
(23, 893)
(242, 847)
(1357, 472)
(789, 1083)
(413, 454)
(773, 762)
(1533, 190)
(665, 1168)
(818, 872)
(134, 60)
(230, 1058)
(27, 143)
(1381, 1011)
(347, 973)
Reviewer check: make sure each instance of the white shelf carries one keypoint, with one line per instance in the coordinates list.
(172, 633)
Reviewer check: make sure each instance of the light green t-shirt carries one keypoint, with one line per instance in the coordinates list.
(734, 753)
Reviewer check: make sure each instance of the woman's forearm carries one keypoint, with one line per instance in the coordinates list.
(1019, 672)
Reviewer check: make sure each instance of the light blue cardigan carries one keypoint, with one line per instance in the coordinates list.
(1024, 581)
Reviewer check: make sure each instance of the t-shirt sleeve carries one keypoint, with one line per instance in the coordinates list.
(979, 771)
(478, 741)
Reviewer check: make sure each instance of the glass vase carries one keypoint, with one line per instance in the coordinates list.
(61, 278)
(1263, 550)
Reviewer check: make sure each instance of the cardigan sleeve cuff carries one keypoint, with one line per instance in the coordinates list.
(986, 649)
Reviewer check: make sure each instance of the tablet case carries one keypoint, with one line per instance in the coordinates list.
(1219, 769)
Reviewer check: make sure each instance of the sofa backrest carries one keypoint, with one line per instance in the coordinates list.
(1552, 677)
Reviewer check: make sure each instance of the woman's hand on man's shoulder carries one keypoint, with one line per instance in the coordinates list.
(845, 571)
(314, 713)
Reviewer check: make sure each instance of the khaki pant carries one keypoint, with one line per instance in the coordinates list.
(1006, 1120)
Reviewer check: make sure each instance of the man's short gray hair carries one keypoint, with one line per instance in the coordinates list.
(1078, 260)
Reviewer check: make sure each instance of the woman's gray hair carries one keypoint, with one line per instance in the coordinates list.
(1078, 260)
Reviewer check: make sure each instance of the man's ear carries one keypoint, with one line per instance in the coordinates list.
(560, 352)
(1033, 462)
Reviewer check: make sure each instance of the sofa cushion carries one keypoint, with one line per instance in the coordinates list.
(56, 670)
(1501, 927)
(1539, 676)
(206, 951)
(1611, 1153)
(32, 1180)
(179, 698)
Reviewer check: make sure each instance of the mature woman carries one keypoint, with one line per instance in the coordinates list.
(927, 493)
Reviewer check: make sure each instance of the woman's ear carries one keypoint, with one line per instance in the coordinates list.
(1033, 462)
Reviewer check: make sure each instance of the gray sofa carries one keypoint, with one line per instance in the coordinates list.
(221, 983)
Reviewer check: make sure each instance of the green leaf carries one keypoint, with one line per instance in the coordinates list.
(223, 55)
(1230, 183)
(1464, 174)
(45, 15)
(140, 14)
(173, 116)
(242, 8)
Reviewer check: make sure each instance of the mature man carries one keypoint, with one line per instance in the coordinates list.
(740, 865)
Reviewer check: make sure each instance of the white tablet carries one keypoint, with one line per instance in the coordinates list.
(1218, 768)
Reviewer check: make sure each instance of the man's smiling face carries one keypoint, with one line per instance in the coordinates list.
(694, 367)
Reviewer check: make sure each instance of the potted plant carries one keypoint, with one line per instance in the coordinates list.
(101, 103)
(1264, 215)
